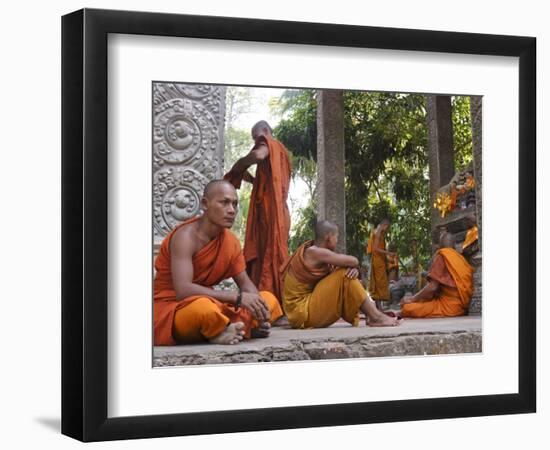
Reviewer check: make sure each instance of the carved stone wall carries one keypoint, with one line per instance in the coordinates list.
(188, 145)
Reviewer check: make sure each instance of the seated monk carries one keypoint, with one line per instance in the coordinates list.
(321, 286)
(449, 287)
(196, 255)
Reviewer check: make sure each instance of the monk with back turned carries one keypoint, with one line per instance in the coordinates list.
(321, 286)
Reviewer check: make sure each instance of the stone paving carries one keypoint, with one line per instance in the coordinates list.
(413, 337)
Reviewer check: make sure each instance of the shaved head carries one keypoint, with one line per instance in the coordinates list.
(447, 240)
(259, 127)
(323, 228)
(214, 186)
(385, 221)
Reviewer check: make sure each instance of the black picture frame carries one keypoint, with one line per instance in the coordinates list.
(84, 224)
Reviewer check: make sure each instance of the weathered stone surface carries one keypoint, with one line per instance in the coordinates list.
(414, 337)
(188, 130)
(331, 197)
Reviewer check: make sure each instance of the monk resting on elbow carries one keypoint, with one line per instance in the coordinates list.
(449, 287)
(321, 286)
(196, 255)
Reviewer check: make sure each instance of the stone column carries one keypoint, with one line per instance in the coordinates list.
(331, 199)
(476, 115)
(188, 130)
(476, 260)
(440, 148)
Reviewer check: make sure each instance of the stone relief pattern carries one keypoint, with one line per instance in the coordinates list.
(188, 126)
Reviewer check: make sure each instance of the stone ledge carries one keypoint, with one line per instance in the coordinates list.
(414, 337)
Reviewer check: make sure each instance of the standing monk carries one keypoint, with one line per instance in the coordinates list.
(449, 287)
(321, 286)
(378, 281)
(268, 222)
(196, 255)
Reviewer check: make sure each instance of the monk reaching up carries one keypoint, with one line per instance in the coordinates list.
(196, 255)
(268, 222)
(449, 287)
(321, 286)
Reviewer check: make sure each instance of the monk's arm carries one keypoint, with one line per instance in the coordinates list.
(257, 154)
(245, 283)
(378, 248)
(426, 293)
(182, 272)
(326, 256)
(251, 298)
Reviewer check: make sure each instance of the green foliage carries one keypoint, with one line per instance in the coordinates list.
(462, 132)
(386, 172)
(237, 143)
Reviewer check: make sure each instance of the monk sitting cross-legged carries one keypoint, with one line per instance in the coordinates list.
(321, 286)
(449, 289)
(196, 255)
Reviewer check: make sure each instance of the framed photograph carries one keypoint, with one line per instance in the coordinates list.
(403, 141)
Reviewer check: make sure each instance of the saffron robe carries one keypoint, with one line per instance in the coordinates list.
(471, 237)
(218, 260)
(268, 222)
(379, 288)
(316, 298)
(454, 275)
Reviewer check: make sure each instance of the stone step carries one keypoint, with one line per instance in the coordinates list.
(341, 340)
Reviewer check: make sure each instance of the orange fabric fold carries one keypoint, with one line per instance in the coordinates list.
(450, 301)
(471, 237)
(296, 265)
(218, 260)
(268, 222)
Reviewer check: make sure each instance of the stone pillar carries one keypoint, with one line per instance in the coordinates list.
(476, 115)
(331, 199)
(476, 260)
(440, 148)
(188, 131)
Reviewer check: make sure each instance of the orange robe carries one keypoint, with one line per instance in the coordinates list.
(218, 260)
(316, 298)
(378, 282)
(268, 222)
(471, 237)
(454, 275)
(393, 262)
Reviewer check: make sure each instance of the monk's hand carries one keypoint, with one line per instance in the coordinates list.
(352, 273)
(406, 299)
(256, 305)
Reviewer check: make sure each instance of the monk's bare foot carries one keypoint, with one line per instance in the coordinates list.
(383, 320)
(233, 334)
(281, 322)
(262, 331)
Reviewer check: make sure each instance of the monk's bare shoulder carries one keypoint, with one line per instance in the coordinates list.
(185, 240)
(314, 255)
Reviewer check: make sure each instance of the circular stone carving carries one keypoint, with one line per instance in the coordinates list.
(176, 196)
(183, 129)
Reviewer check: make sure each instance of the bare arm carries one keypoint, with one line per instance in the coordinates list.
(425, 294)
(257, 154)
(182, 248)
(326, 256)
(378, 248)
(251, 298)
